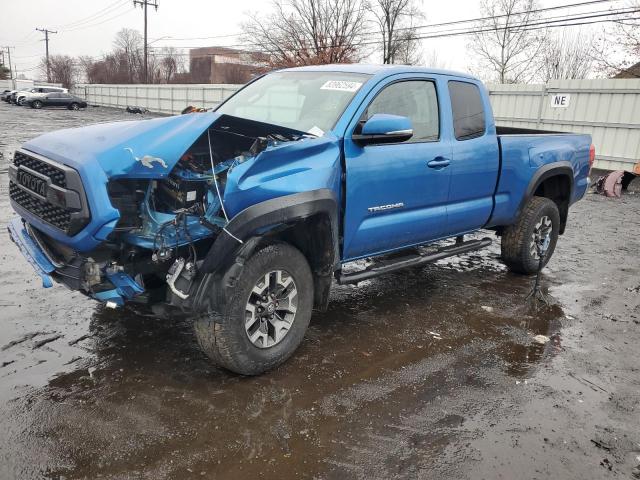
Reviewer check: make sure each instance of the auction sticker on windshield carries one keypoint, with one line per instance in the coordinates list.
(342, 85)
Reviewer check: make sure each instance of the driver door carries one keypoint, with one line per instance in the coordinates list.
(396, 194)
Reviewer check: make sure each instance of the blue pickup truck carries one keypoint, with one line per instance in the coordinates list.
(243, 217)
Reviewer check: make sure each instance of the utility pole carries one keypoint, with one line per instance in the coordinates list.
(46, 40)
(144, 4)
(9, 59)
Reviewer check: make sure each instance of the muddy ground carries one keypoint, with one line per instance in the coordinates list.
(429, 373)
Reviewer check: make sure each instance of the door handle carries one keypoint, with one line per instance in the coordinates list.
(439, 162)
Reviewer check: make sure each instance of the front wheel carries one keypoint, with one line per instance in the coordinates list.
(74, 106)
(539, 223)
(36, 104)
(263, 319)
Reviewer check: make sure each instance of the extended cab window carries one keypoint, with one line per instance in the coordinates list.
(468, 110)
(415, 99)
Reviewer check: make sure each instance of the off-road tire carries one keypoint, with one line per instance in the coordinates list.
(516, 252)
(222, 335)
(37, 104)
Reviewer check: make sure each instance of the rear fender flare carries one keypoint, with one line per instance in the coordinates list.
(562, 168)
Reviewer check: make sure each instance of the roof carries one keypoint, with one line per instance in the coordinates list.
(372, 69)
(631, 72)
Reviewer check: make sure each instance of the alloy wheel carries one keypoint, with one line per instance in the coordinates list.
(271, 309)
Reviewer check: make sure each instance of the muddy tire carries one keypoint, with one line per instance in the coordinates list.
(264, 317)
(539, 216)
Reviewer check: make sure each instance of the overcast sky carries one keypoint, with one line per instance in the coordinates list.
(87, 27)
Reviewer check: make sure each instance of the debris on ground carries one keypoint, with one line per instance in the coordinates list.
(487, 309)
(601, 445)
(541, 339)
(134, 109)
(192, 109)
(610, 185)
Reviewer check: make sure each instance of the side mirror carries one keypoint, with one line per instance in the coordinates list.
(384, 128)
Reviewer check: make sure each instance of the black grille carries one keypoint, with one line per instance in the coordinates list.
(56, 216)
(56, 175)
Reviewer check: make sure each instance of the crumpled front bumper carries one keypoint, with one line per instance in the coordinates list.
(31, 251)
(124, 287)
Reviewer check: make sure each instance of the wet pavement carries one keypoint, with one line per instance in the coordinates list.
(429, 373)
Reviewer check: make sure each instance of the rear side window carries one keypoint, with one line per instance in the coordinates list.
(468, 110)
(415, 99)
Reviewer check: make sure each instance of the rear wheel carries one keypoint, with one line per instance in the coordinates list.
(36, 104)
(74, 106)
(264, 318)
(539, 223)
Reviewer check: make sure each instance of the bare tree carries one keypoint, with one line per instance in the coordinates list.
(129, 45)
(308, 32)
(395, 21)
(618, 50)
(567, 56)
(171, 63)
(63, 69)
(432, 59)
(506, 48)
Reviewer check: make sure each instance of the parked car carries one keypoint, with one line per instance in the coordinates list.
(242, 217)
(37, 91)
(56, 99)
(6, 95)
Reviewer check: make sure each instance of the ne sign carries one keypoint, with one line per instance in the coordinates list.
(560, 100)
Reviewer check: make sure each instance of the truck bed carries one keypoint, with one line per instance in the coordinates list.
(526, 152)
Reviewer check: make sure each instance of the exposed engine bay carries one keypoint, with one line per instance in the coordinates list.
(167, 225)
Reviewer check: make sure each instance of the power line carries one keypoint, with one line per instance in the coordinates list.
(96, 15)
(442, 24)
(550, 22)
(91, 25)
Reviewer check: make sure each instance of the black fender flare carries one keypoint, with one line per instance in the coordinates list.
(560, 168)
(270, 214)
(244, 232)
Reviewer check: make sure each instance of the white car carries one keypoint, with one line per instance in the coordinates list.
(37, 91)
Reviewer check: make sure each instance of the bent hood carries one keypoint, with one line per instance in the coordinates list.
(132, 149)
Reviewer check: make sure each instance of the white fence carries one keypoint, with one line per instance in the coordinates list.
(608, 110)
(169, 99)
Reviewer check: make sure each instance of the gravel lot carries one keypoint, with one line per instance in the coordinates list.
(429, 373)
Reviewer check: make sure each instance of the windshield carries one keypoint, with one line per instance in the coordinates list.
(307, 101)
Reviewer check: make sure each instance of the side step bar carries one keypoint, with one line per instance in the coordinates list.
(413, 261)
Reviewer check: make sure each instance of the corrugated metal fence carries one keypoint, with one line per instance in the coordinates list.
(608, 110)
(169, 99)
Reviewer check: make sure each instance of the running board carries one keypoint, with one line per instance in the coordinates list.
(413, 261)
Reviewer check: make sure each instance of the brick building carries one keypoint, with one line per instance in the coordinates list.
(224, 65)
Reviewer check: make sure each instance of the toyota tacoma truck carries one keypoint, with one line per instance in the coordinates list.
(242, 218)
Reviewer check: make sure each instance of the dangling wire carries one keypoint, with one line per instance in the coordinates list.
(215, 180)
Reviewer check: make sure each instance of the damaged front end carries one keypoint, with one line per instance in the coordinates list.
(153, 203)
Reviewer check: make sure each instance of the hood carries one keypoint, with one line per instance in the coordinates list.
(132, 149)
